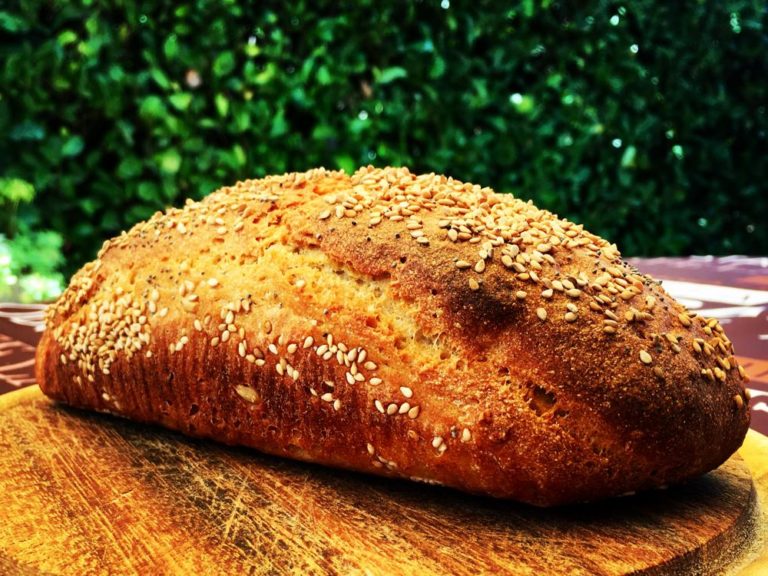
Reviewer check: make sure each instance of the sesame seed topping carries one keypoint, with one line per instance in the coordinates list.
(463, 264)
(547, 293)
(521, 294)
(272, 348)
(570, 317)
(324, 214)
(645, 358)
(466, 435)
(375, 381)
(247, 393)
(480, 266)
(541, 313)
(437, 441)
(292, 348)
(473, 284)
(739, 401)
(379, 406)
(370, 448)
(407, 392)
(308, 341)
(413, 412)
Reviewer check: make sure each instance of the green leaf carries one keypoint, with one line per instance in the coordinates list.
(12, 23)
(27, 130)
(152, 107)
(346, 163)
(180, 100)
(16, 190)
(390, 75)
(171, 47)
(324, 77)
(222, 104)
(66, 37)
(628, 158)
(279, 125)
(72, 147)
(224, 64)
(170, 161)
(159, 76)
(149, 192)
(129, 168)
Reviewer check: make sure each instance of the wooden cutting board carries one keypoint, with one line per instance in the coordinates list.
(90, 494)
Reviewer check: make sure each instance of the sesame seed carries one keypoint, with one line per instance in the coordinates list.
(404, 407)
(350, 378)
(463, 264)
(327, 397)
(370, 365)
(739, 401)
(308, 341)
(684, 319)
(473, 284)
(413, 412)
(423, 240)
(571, 307)
(547, 293)
(247, 393)
(570, 317)
(541, 313)
(407, 392)
(466, 435)
(375, 381)
(154, 295)
(437, 441)
(573, 292)
(279, 369)
(198, 325)
(324, 214)
(391, 409)
(215, 341)
(379, 406)
(336, 404)
(521, 294)
(292, 348)
(645, 358)
(370, 448)
(480, 266)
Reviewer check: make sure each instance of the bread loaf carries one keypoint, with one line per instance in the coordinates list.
(402, 325)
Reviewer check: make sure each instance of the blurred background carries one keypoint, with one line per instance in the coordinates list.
(646, 121)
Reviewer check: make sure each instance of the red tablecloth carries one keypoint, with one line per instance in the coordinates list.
(733, 289)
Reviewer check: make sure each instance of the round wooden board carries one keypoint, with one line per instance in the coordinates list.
(90, 494)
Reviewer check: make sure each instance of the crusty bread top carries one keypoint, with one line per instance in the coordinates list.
(529, 310)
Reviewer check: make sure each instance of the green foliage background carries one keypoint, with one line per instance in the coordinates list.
(645, 120)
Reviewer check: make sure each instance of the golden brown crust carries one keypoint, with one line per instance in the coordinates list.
(403, 325)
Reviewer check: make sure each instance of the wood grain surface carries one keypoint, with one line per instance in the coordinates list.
(90, 494)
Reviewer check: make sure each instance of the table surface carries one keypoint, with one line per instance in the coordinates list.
(733, 289)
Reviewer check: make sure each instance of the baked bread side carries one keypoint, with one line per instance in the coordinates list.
(403, 325)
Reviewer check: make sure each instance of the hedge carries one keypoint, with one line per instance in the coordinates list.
(646, 120)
